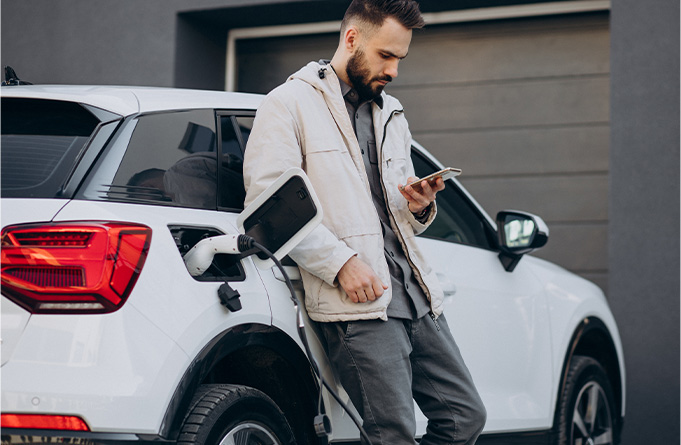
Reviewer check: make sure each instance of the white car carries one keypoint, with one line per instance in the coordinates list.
(107, 337)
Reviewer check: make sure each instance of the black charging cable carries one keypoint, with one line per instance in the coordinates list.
(321, 422)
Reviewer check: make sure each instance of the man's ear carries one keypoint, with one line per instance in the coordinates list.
(351, 39)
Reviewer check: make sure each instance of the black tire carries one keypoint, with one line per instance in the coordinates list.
(586, 409)
(246, 415)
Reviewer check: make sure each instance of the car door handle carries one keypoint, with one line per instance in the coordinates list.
(448, 287)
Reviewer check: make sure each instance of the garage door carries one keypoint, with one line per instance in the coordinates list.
(522, 106)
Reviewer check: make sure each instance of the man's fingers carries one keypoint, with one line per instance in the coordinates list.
(439, 184)
(378, 287)
(359, 281)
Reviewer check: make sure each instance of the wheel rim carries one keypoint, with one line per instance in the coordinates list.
(249, 433)
(592, 421)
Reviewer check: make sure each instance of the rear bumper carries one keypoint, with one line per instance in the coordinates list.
(31, 436)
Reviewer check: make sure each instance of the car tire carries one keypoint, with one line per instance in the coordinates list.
(586, 409)
(228, 414)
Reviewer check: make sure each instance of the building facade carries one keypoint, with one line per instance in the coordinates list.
(565, 109)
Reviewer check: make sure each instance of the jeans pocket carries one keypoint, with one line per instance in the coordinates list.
(346, 328)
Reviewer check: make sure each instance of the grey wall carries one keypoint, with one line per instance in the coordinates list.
(162, 43)
(644, 212)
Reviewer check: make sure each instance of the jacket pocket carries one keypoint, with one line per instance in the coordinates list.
(317, 145)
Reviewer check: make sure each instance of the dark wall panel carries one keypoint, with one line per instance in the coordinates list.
(508, 49)
(521, 151)
(265, 63)
(644, 219)
(512, 104)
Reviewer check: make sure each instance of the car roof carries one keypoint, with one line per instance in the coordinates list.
(126, 100)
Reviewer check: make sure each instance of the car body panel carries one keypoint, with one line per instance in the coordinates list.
(126, 101)
(113, 370)
(18, 210)
(572, 300)
(13, 321)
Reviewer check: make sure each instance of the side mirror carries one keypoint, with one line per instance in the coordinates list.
(519, 233)
(278, 219)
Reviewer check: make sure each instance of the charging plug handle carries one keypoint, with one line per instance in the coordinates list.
(322, 425)
(200, 257)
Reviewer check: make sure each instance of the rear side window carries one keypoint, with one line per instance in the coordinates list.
(41, 142)
(171, 159)
(234, 131)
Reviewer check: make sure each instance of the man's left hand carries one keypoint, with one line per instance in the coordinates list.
(421, 195)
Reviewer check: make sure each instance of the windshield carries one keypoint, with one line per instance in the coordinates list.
(41, 141)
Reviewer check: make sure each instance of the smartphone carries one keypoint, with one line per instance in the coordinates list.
(445, 173)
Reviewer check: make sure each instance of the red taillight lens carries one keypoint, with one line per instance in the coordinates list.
(72, 267)
(43, 422)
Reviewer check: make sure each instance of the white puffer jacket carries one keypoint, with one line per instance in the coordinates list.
(304, 123)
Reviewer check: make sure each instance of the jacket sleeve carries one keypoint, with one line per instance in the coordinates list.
(274, 146)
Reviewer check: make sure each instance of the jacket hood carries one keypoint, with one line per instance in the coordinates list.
(315, 74)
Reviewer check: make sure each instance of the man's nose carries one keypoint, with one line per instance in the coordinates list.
(391, 69)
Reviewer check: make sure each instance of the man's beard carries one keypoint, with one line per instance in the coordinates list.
(358, 73)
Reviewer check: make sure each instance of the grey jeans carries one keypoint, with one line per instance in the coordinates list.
(385, 365)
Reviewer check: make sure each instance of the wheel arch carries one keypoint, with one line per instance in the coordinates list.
(592, 338)
(259, 356)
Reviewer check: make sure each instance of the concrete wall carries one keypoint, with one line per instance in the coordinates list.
(644, 212)
(127, 42)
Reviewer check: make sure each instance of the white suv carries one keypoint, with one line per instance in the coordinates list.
(107, 338)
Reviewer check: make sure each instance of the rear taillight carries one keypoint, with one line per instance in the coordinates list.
(44, 422)
(72, 267)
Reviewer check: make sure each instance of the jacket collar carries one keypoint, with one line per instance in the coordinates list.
(323, 78)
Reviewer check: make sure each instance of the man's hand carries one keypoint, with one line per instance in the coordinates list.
(420, 196)
(359, 281)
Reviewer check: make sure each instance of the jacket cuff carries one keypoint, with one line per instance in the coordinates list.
(421, 224)
(422, 216)
(337, 263)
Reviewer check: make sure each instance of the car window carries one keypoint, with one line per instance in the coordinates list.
(53, 132)
(171, 159)
(245, 124)
(457, 219)
(234, 132)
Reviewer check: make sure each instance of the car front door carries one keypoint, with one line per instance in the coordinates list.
(499, 319)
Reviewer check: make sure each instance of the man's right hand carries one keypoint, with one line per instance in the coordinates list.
(359, 281)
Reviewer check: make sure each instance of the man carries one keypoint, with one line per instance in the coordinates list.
(375, 298)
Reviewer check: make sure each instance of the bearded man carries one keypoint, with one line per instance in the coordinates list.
(375, 298)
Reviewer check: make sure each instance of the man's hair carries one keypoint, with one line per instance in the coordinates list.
(372, 13)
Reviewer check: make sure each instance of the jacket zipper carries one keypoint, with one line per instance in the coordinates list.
(394, 223)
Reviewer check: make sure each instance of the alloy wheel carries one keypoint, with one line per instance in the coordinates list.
(249, 433)
(592, 420)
